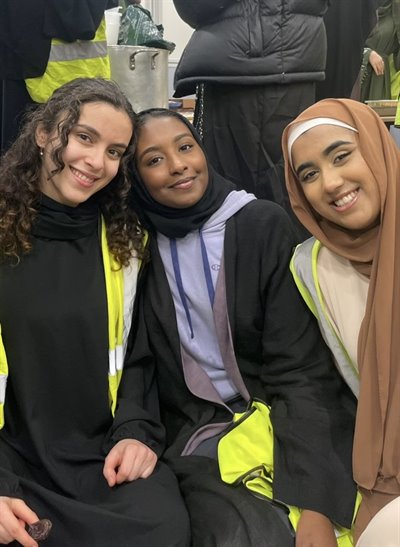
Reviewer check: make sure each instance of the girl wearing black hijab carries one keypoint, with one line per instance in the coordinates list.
(223, 321)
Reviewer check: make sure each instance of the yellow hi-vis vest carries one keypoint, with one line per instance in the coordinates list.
(245, 456)
(70, 60)
(120, 290)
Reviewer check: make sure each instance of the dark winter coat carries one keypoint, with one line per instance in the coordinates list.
(27, 27)
(252, 42)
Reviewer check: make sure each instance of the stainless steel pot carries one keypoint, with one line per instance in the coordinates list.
(142, 74)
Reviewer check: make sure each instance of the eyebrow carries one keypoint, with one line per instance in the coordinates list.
(325, 152)
(94, 131)
(157, 148)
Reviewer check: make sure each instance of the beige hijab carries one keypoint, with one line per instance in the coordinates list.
(376, 253)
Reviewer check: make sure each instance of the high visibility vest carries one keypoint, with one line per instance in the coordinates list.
(70, 60)
(304, 268)
(120, 290)
(246, 456)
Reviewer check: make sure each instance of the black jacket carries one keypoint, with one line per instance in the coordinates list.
(27, 27)
(252, 42)
(281, 357)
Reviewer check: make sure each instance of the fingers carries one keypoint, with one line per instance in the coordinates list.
(138, 463)
(377, 63)
(14, 514)
(110, 465)
(129, 460)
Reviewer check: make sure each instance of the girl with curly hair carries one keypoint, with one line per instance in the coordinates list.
(78, 422)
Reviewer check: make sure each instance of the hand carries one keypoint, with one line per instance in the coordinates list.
(315, 530)
(14, 514)
(128, 460)
(377, 63)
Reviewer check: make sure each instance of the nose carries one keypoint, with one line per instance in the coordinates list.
(176, 164)
(95, 158)
(332, 180)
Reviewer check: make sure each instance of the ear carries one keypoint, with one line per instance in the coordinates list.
(41, 136)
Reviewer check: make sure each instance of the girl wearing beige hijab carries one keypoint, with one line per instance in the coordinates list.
(343, 178)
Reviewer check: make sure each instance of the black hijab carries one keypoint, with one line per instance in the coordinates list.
(170, 221)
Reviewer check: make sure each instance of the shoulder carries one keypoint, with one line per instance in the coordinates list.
(197, 13)
(303, 258)
(264, 218)
(262, 210)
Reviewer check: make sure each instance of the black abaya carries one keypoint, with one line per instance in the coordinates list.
(58, 423)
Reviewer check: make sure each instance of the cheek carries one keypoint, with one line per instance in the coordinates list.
(309, 192)
(152, 180)
(113, 168)
(313, 197)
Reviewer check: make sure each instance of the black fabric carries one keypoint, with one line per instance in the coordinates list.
(58, 423)
(72, 20)
(242, 130)
(60, 222)
(15, 102)
(347, 27)
(252, 42)
(27, 27)
(281, 357)
(226, 516)
(196, 13)
(178, 222)
(26, 30)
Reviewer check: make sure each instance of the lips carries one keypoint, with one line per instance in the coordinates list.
(183, 183)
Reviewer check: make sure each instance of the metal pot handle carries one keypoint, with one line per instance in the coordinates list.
(132, 60)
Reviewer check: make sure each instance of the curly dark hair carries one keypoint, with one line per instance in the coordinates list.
(21, 165)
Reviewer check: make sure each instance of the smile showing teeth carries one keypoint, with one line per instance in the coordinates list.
(345, 200)
(82, 177)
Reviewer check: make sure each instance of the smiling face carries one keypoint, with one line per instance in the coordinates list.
(171, 163)
(335, 178)
(92, 156)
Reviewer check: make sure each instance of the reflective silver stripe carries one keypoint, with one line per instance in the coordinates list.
(112, 362)
(119, 357)
(130, 280)
(3, 383)
(77, 50)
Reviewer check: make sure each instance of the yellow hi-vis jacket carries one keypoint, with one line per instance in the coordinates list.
(246, 456)
(70, 60)
(120, 290)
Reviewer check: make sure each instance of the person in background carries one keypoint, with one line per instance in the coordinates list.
(382, 49)
(222, 320)
(343, 176)
(79, 430)
(27, 30)
(256, 64)
(348, 25)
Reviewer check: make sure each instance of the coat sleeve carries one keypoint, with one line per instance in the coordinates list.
(72, 20)
(312, 409)
(197, 13)
(137, 413)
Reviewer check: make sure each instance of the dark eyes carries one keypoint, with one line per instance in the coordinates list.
(153, 161)
(186, 147)
(83, 137)
(341, 156)
(117, 154)
(308, 176)
(339, 159)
